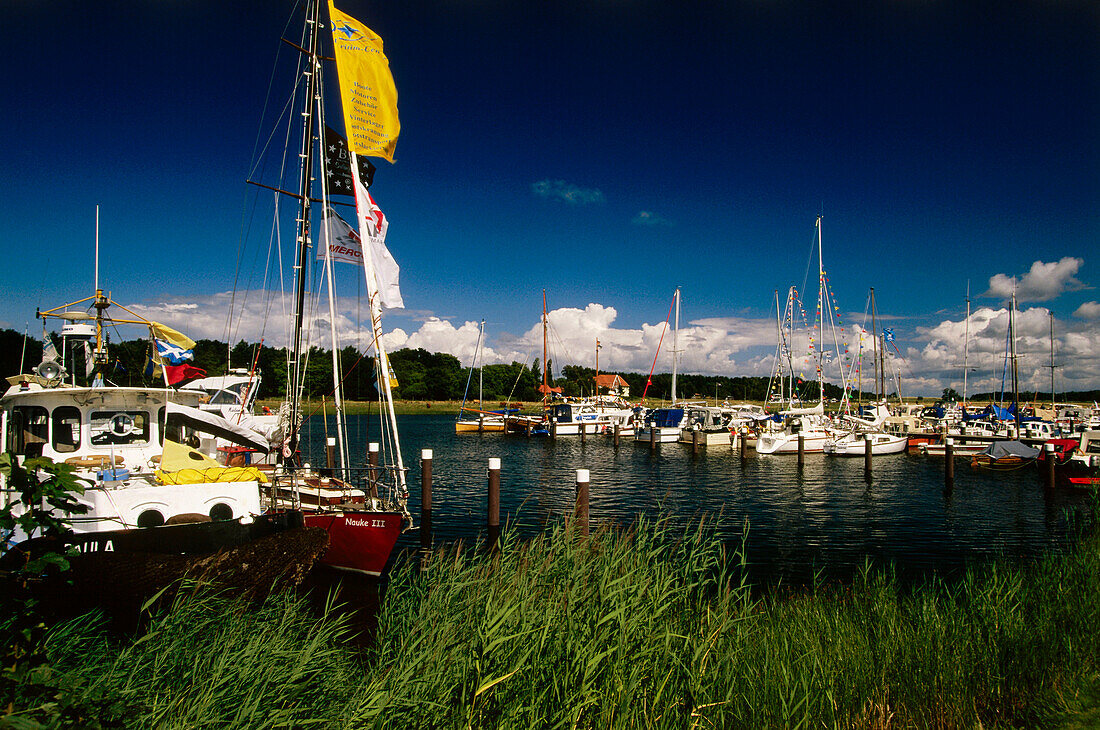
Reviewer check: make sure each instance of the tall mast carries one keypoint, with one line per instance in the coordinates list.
(1015, 368)
(1052, 406)
(545, 375)
(821, 316)
(597, 388)
(778, 351)
(675, 345)
(966, 342)
(312, 25)
(480, 368)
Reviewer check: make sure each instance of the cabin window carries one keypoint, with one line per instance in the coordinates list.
(29, 429)
(162, 417)
(118, 428)
(66, 429)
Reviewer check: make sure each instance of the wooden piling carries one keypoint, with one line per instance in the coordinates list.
(949, 463)
(868, 453)
(801, 450)
(425, 499)
(1048, 454)
(494, 494)
(581, 510)
(652, 439)
(330, 452)
(743, 434)
(582, 431)
(554, 429)
(615, 435)
(694, 441)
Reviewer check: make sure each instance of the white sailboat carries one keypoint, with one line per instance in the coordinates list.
(664, 425)
(869, 430)
(809, 423)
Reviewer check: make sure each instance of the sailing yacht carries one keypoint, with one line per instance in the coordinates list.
(805, 423)
(482, 421)
(664, 425)
(868, 428)
(363, 510)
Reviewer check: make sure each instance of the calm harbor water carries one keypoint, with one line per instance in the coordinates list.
(825, 519)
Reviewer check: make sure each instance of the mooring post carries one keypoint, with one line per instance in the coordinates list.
(868, 452)
(372, 471)
(480, 422)
(425, 498)
(581, 510)
(652, 439)
(615, 437)
(582, 431)
(330, 452)
(949, 462)
(1048, 454)
(801, 450)
(493, 521)
(554, 429)
(694, 441)
(743, 434)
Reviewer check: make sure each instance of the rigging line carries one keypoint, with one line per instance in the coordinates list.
(260, 159)
(652, 367)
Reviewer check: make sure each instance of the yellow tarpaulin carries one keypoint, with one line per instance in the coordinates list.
(367, 91)
(212, 474)
(181, 464)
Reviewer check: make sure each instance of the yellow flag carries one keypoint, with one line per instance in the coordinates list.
(166, 333)
(367, 91)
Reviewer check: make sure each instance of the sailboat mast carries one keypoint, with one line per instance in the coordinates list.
(966, 343)
(312, 24)
(545, 378)
(675, 345)
(480, 369)
(1052, 406)
(821, 316)
(1015, 368)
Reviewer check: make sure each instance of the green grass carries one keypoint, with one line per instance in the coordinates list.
(648, 627)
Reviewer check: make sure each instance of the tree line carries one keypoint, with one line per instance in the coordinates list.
(421, 375)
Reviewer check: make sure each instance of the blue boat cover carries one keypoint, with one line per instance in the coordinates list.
(668, 417)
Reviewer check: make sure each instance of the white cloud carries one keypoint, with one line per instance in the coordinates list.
(931, 357)
(1088, 310)
(1043, 282)
(648, 218)
(566, 192)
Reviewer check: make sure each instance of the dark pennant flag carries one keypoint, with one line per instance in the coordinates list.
(337, 168)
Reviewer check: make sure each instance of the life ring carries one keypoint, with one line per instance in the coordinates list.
(122, 424)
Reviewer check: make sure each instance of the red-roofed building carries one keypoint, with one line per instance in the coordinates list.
(613, 384)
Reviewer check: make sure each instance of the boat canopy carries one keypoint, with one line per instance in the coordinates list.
(668, 417)
(815, 411)
(1002, 449)
(214, 424)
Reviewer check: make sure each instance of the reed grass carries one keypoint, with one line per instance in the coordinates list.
(645, 627)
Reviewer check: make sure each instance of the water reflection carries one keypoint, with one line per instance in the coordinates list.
(825, 517)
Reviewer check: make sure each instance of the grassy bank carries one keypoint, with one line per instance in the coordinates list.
(642, 628)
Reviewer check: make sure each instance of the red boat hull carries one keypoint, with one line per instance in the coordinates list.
(360, 542)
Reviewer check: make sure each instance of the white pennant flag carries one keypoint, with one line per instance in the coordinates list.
(386, 270)
(344, 245)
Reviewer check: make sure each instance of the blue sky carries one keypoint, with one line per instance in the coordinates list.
(605, 151)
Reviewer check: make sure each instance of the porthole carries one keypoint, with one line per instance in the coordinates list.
(221, 511)
(150, 518)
